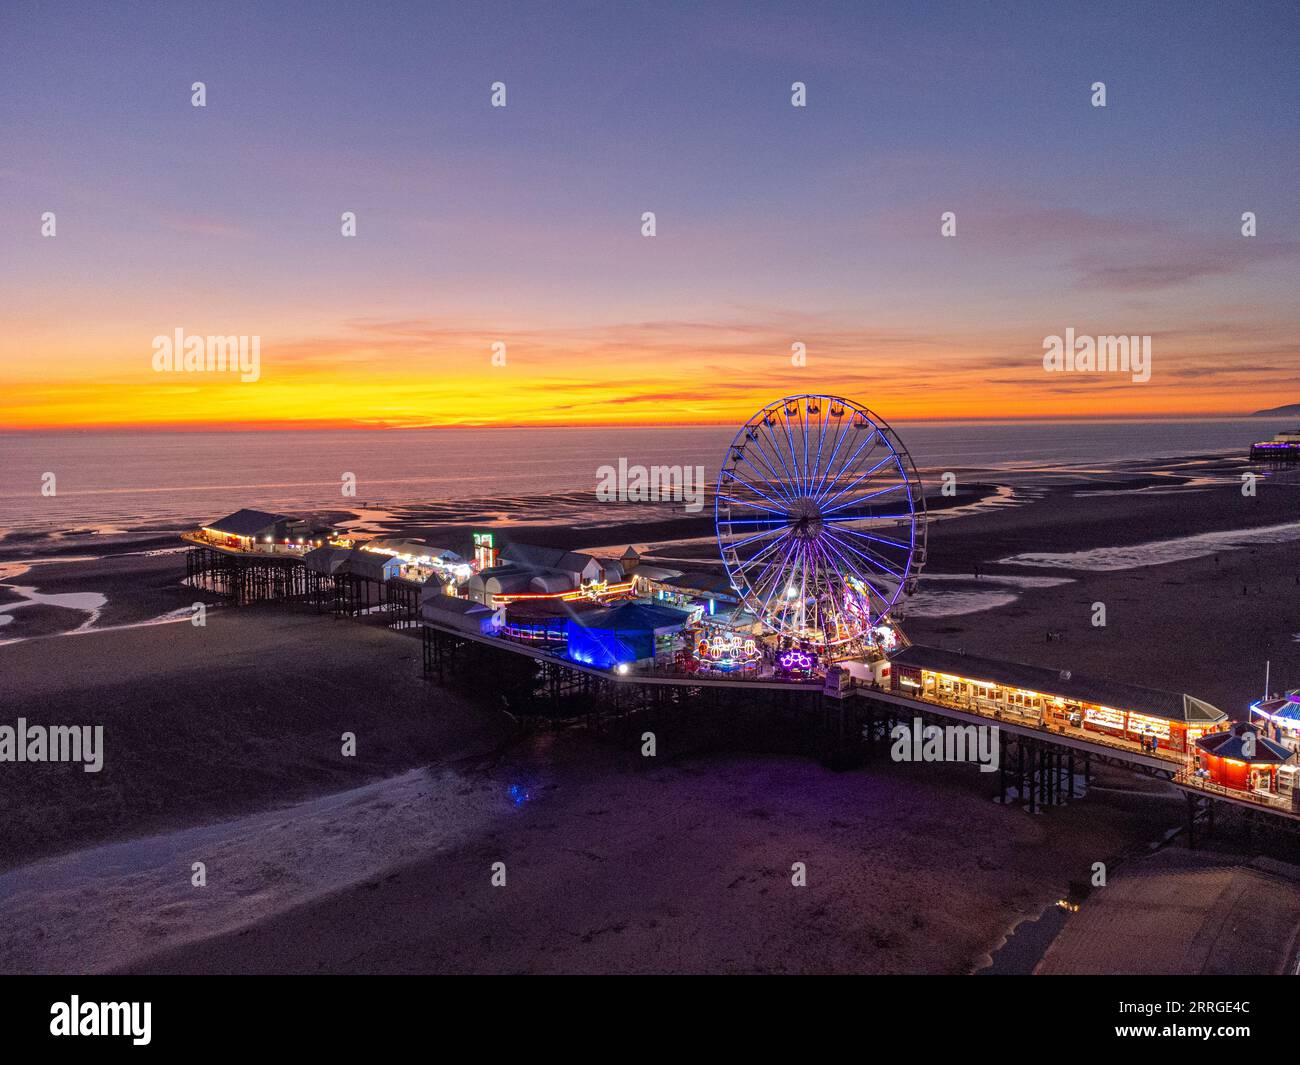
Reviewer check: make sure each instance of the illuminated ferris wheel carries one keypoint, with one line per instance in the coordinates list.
(820, 518)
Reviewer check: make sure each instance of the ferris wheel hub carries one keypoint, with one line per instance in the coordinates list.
(805, 518)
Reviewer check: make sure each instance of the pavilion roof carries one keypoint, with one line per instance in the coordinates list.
(1232, 744)
(246, 522)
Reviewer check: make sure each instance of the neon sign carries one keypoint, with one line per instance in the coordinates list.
(796, 660)
(485, 552)
(728, 648)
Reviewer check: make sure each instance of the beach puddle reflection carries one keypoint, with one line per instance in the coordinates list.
(964, 593)
(1157, 552)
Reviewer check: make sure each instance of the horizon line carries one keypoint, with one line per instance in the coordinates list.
(334, 426)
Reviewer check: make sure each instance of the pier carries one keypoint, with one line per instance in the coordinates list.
(245, 578)
(1038, 766)
(821, 532)
(1282, 450)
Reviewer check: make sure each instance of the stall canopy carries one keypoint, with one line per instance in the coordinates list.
(1285, 709)
(448, 612)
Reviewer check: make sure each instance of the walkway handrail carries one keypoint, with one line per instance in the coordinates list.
(1189, 779)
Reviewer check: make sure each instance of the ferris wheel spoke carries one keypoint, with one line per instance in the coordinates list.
(859, 441)
(800, 600)
(753, 435)
(824, 504)
(790, 479)
(856, 443)
(854, 536)
(794, 460)
(803, 429)
(884, 549)
(770, 477)
(819, 529)
(766, 580)
(845, 560)
(874, 605)
(776, 504)
(879, 538)
(856, 500)
(854, 459)
(754, 443)
(874, 564)
(830, 464)
(871, 558)
(820, 441)
(827, 581)
(778, 583)
(756, 537)
(864, 517)
(850, 611)
(773, 452)
(796, 431)
(846, 463)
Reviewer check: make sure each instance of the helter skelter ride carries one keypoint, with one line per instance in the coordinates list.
(821, 524)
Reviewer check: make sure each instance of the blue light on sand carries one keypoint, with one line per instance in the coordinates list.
(519, 794)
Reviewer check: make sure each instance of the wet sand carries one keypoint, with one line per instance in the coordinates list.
(205, 723)
(685, 867)
(614, 863)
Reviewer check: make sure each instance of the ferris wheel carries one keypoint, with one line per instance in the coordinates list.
(820, 518)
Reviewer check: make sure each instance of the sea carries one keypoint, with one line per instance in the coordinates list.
(107, 482)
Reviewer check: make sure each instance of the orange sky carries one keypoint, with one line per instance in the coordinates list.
(415, 373)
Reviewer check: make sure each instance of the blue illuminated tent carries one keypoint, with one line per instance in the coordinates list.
(621, 634)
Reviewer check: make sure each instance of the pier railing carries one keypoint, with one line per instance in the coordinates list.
(1189, 779)
(201, 539)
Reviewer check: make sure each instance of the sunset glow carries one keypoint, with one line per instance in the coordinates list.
(521, 225)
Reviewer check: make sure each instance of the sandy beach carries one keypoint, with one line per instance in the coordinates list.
(223, 747)
(686, 868)
(206, 723)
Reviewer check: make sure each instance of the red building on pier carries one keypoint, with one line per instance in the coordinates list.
(1242, 759)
